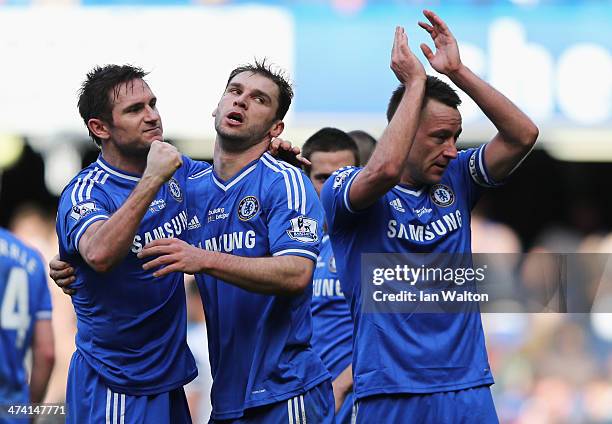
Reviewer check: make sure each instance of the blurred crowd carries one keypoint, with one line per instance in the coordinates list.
(548, 367)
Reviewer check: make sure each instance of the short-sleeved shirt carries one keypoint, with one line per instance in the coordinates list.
(131, 326)
(421, 352)
(259, 344)
(24, 299)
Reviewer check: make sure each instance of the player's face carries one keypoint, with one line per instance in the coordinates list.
(325, 163)
(434, 144)
(136, 121)
(246, 113)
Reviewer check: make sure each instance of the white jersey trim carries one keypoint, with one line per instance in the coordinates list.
(347, 189)
(236, 180)
(411, 192)
(85, 226)
(116, 173)
(296, 189)
(41, 315)
(294, 251)
(200, 174)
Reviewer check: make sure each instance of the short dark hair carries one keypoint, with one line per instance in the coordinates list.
(435, 89)
(95, 101)
(329, 140)
(278, 76)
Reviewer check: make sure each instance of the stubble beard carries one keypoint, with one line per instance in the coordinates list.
(236, 142)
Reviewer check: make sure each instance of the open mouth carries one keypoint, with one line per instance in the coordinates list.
(235, 117)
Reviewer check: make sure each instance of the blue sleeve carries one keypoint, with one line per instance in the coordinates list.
(475, 175)
(294, 215)
(335, 197)
(82, 203)
(41, 291)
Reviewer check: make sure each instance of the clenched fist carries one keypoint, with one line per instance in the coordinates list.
(162, 161)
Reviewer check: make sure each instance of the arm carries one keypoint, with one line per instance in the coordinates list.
(386, 164)
(105, 243)
(269, 275)
(342, 385)
(43, 359)
(516, 132)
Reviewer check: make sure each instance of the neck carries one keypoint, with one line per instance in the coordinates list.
(228, 163)
(408, 179)
(131, 164)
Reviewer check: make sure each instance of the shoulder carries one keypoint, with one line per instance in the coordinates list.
(341, 177)
(29, 256)
(193, 167)
(275, 169)
(283, 179)
(85, 182)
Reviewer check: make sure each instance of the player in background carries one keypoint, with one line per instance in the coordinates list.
(25, 322)
(415, 195)
(132, 358)
(330, 149)
(260, 221)
(365, 143)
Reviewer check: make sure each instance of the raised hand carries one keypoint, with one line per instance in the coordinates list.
(404, 63)
(163, 160)
(284, 150)
(446, 59)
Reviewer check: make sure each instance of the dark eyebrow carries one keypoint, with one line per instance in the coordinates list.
(233, 85)
(257, 92)
(133, 106)
(441, 133)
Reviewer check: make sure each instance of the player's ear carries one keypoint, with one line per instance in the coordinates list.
(99, 128)
(277, 128)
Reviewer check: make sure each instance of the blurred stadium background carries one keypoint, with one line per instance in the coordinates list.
(551, 57)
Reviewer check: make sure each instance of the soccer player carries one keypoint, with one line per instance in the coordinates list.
(259, 221)
(328, 150)
(132, 358)
(25, 322)
(415, 195)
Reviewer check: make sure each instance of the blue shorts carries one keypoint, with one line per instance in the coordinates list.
(89, 400)
(314, 406)
(462, 406)
(345, 412)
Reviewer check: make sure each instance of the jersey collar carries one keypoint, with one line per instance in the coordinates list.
(410, 190)
(116, 172)
(236, 178)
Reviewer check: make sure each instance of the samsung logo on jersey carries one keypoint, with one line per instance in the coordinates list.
(448, 223)
(326, 287)
(229, 242)
(168, 229)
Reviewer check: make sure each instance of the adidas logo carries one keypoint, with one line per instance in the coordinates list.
(397, 205)
(194, 223)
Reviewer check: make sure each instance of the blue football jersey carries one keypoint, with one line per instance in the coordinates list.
(400, 352)
(332, 326)
(131, 327)
(24, 299)
(259, 344)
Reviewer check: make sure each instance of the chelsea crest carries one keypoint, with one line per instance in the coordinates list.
(442, 195)
(175, 190)
(248, 208)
